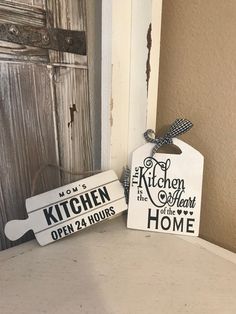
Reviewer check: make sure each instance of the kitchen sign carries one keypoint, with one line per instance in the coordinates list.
(165, 190)
(70, 208)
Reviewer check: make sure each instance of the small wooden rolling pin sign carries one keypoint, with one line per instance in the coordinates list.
(70, 208)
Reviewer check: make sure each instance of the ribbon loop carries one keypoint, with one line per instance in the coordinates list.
(179, 127)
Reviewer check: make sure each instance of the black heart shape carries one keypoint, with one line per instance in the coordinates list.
(162, 196)
(190, 213)
(179, 211)
(185, 212)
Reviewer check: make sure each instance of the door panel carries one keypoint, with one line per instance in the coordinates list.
(73, 120)
(26, 137)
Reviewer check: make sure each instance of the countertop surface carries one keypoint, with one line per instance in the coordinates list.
(111, 269)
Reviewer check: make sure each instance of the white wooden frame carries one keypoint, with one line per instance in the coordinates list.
(127, 108)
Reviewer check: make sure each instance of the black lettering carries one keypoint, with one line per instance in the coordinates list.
(112, 211)
(54, 235)
(176, 225)
(58, 212)
(49, 216)
(162, 223)
(95, 197)
(86, 202)
(76, 210)
(91, 220)
(65, 230)
(102, 214)
(59, 231)
(61, 194)
(107, 212)
(77, 223)
(96, 217)
(152, 218)
(142, 177)
(70, 228)
(159, 183)
(104, 194)
(190, 225)
(64, 205)
(75, 189)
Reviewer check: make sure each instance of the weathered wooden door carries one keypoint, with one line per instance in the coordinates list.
(44, 102)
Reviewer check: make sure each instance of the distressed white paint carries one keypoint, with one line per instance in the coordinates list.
(165, 190)
(127, 109)
(70, 208)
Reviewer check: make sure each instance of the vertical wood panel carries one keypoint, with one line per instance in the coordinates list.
(94, 34)
(26, 138)
(74, 129)
(71, 89)
(67, 14)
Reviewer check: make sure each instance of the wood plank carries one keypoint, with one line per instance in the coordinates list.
(22, 13)
(12, 12)
(73, 120)
(27, 138)
(94, 33)
(67, 14)
(71, 91)
(36, 3)
(16, 52)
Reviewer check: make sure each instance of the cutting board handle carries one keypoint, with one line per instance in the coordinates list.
(15, 229)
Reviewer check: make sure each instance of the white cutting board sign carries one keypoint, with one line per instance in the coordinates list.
(165, 190)
(70, 208)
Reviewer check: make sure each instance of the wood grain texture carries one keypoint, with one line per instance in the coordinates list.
(16, 52)
(71, 91)
(73, 120)
(94, 34)
(22, 13)
(26, 138)
(12, 12)
(36, 3)
(67, 14)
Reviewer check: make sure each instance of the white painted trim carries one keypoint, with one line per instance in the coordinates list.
(130, 110)
(154, 63)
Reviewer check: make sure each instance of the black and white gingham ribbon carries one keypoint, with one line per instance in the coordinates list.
(179, 127)
(125, 180)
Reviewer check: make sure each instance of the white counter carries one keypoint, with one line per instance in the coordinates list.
(111, 269)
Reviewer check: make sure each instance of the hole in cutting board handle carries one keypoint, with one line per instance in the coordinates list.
(169, 149)
(15, 229)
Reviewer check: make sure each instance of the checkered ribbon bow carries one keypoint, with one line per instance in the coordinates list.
(179, 127)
